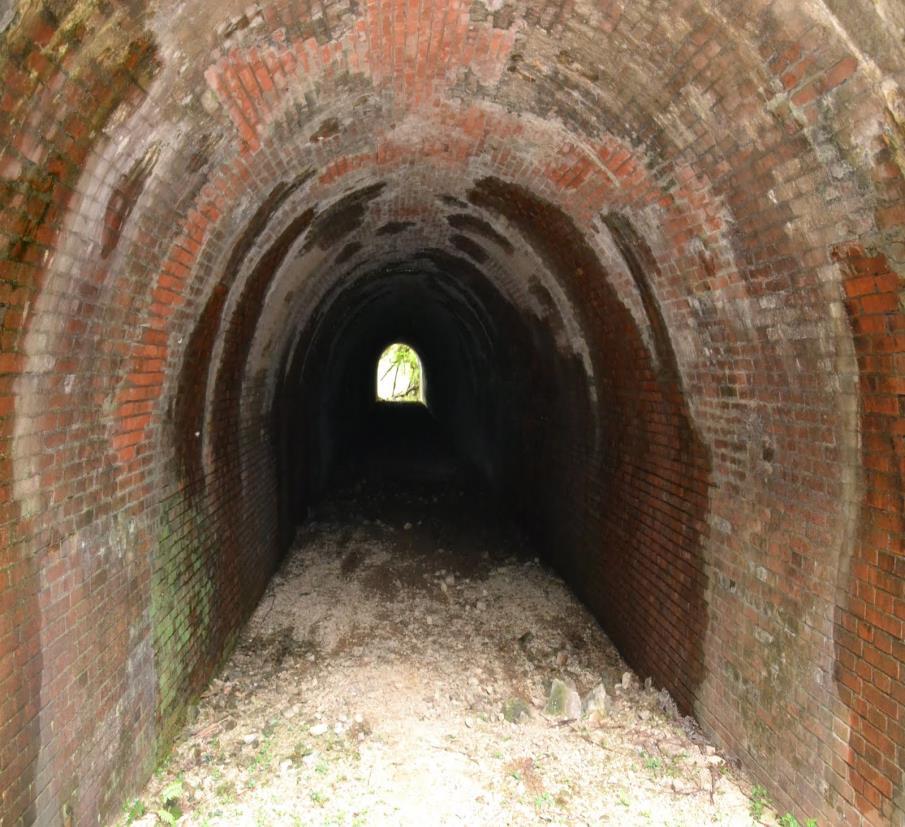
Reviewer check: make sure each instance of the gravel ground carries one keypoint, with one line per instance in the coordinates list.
(398, 672)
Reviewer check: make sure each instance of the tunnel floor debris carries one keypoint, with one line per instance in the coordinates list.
(398, 672)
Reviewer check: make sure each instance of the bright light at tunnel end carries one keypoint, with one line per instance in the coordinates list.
(400, 376)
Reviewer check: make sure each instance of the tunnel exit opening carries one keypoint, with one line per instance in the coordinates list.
(400, 376)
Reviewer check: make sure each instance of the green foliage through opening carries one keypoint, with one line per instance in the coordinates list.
(400, 377)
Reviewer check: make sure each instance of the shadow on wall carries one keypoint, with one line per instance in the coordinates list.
(642, 503)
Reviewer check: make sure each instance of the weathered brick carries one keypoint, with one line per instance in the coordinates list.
(681, 228)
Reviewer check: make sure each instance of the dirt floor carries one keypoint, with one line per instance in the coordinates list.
(399, 672)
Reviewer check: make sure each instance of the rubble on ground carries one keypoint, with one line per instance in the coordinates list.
(436, 675)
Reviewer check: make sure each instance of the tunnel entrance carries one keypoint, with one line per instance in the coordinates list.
(650, 256)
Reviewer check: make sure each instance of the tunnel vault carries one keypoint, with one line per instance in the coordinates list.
(652, 254)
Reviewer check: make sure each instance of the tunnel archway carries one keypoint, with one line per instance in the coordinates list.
(399, 375)
(651, 259)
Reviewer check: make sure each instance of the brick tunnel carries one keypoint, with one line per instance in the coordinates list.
(650, 253)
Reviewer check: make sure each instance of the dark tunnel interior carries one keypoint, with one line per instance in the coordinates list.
(553, 384)
(484, 367)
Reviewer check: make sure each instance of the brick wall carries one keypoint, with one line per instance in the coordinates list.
(680, 227)
(871, 619)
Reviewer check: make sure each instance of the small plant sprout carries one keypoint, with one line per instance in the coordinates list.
(169, 812)
(651, 762)
(760, 799)
(788, 820)
(543, 801)
(133, 810)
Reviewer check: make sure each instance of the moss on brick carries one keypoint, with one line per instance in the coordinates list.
(182, 593)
